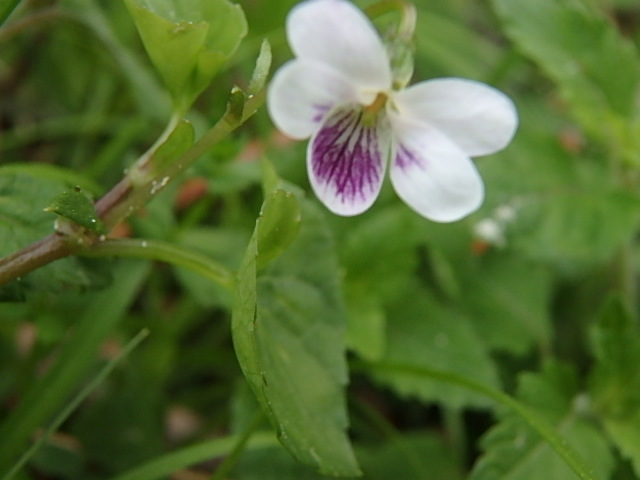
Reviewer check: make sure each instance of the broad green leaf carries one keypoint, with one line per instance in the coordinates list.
(288, 331)
(597, 71)
(615, 379)
(78, 207)
(423, 333)
(188, 41)
(513, 451)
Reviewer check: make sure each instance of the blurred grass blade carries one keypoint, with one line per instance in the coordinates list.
(185, 457)
(46, 396)
(75, 403)
(6, 7)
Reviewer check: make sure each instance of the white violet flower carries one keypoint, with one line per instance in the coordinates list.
(339, 91)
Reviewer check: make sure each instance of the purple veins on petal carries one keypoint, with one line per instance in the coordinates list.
(320, 112)
(347, 159)
(405, 158)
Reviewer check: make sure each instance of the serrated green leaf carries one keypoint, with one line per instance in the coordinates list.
(423, 333)
(78, 207)
(513, 451)
(615, 379)
(188, 41)
(580, 49)
(288, 331)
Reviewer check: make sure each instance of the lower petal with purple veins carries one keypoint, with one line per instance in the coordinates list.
(347, 157)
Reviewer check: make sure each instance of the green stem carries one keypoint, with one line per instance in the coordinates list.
(164, 252)
(124, 198)
(75, 403)
(535, 421)
(42, 252)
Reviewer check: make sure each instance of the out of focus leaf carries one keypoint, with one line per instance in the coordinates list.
(596, 69)
(577, 229)
(288, 331)
(188, 41)
(422, 333)
(406, 457)
(514, 451)
(615, 380)
(379, 255)
(509, 314)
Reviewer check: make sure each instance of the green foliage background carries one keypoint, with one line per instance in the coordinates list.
(384, 344)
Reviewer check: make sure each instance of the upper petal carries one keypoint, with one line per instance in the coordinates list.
(302, 93)
(432, 174)
(346, 159)
(336, 33)
(478, 118)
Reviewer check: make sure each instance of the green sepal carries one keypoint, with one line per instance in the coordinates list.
(77, 206)
(261, 70)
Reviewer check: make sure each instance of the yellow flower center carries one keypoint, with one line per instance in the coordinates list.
(371, 110)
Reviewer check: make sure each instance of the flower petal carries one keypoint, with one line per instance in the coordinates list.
(478, 118)
(302, 93)
(432, 174)
(346, 159)
(337, 34)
